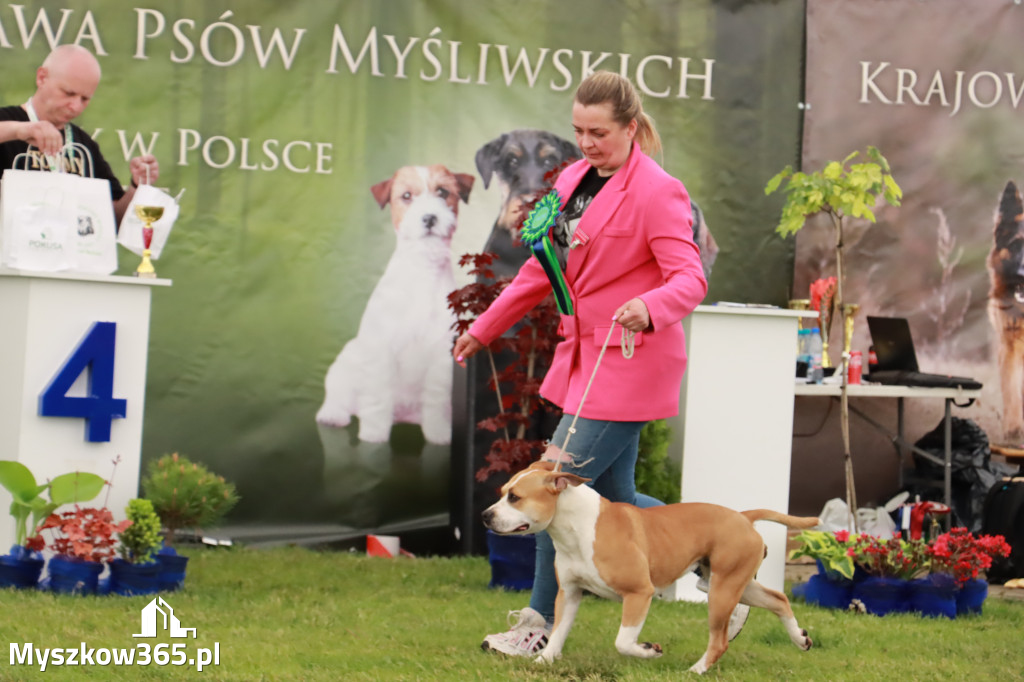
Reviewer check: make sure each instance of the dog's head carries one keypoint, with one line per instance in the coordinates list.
(424, 200)
(705, 242)
(85, 227)
(528, 501)
(1007, 258)
(520, 160)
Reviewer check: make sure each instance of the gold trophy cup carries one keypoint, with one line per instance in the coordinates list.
(148, 215)
(849, 313)
(824, 318)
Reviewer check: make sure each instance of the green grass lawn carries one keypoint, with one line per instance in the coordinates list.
(295, 614)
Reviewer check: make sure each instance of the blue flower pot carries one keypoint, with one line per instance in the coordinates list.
(934, 596)
(970, 597)
(128, 579)
(512, 560)
(883, 595)
(20, 568)
(827, 590)
(69, 575)
(171, 573)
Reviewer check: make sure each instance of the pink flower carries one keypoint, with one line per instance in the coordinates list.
(842, 535)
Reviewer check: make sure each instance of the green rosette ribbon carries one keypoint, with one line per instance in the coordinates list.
(536, 234)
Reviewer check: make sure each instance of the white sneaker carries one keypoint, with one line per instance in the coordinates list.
(738, 617)
(527, 637)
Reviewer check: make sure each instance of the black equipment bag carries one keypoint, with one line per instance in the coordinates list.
(1004, 515)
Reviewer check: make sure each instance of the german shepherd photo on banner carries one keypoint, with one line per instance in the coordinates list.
(1006, 308)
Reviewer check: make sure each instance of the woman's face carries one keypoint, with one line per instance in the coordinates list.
(604, 142)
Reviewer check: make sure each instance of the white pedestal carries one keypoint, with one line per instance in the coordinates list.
(736, 423)
(43, 318)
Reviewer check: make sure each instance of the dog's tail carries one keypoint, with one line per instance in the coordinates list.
(797, 522)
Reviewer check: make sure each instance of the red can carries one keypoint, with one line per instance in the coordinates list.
(856, 367)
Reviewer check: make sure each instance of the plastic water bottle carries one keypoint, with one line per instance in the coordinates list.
(803, 353)
(815, 373)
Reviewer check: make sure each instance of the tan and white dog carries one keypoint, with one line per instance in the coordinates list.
(621, 552)
(398, 367)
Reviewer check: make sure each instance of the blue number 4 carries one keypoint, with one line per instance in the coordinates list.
(99, 408)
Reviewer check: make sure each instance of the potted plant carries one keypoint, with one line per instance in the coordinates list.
(136, 571)
(516, 383)
(22, 566)
(184, 494)
(889, 564)
(83, 541)
(961, 556)
(832, 586)
(842, 191)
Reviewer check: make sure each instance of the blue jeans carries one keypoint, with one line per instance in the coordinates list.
(605, 452)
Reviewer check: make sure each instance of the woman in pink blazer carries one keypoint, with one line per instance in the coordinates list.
(626, 247)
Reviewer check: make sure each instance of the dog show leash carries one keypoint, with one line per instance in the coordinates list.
(628, 345)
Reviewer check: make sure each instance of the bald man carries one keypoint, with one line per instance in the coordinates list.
(65, 84)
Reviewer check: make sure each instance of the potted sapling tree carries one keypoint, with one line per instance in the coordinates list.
(185, 495)
(137, 571)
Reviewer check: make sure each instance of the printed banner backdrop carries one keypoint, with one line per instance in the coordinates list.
(937, 87)
(278, 119)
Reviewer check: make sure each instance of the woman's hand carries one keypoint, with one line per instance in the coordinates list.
(633, 315)
(466, 346)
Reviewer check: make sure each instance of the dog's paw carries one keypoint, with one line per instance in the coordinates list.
(701, 666)
(646, 650)
(438, 434)
(335, 420)
(656, 648)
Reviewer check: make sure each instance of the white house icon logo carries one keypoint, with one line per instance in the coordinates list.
(170, 621)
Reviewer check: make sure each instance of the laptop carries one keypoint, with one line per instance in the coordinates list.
(897, 361)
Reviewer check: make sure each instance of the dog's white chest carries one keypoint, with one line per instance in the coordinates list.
(573, 533)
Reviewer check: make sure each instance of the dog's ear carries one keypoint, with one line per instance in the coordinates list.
(569, 150)
(464, 181)
(559, 481)
(382, 191)
(1008, 216)
(487, 155)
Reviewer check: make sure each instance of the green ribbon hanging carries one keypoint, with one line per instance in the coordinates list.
(536, 235)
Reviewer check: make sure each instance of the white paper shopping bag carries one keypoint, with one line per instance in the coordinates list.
(130, 235)
(57, 221)
(94, 232)
(35, 216)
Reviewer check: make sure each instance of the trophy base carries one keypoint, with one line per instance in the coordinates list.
(148, 275)
(145, 268)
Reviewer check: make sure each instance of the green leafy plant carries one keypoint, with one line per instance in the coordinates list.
(186, 494)
(141, 540)
(837, 190)
(29, 502)
(833, 550)
(656, 474)
(841, 190)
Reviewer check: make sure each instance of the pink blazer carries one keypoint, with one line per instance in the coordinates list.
(639, 242)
